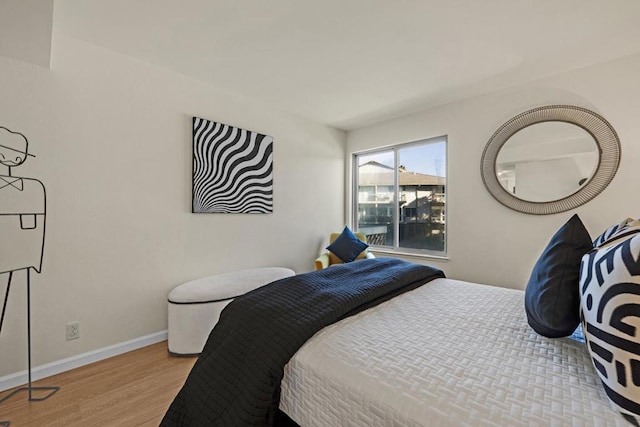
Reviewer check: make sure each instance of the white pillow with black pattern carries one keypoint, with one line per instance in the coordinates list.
(611, 231)
(610, 314)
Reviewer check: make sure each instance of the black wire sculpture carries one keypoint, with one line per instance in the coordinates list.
(23, 210)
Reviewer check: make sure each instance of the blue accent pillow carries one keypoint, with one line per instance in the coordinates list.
(552, 297)
(347, 246)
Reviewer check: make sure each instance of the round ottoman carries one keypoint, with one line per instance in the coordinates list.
(195, 307)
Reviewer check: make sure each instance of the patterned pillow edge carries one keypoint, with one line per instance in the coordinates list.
(610, 297)
(612, 231)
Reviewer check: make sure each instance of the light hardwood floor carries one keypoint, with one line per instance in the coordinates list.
(132, 389)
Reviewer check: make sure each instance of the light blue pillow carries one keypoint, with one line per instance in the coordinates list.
(347, 246)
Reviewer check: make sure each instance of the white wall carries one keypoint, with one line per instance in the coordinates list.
(487, 242)
(546, 180)
(25, 30)
(112, 138)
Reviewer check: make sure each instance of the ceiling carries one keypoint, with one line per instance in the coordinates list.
(350, 63)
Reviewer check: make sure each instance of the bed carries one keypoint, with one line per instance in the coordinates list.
(430, 352)
(447, 353)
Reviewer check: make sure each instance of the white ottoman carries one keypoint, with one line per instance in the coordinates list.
(195, 307)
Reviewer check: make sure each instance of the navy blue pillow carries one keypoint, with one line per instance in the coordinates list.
(552, 297)
(347, 246)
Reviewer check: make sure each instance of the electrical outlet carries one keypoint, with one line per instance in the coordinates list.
(73, 331)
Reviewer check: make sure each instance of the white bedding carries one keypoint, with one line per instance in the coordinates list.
(449, 353)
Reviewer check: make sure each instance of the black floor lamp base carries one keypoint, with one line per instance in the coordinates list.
(29, 388)
(51, 391)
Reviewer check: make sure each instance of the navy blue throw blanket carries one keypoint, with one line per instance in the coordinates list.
(236, 380)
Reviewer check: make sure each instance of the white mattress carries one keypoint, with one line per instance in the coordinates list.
(449, 353)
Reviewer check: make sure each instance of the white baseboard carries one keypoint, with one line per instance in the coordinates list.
(59, 366)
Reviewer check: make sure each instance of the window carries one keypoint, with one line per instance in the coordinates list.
(400, 196)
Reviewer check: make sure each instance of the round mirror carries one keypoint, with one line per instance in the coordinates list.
(550, 159)
(547, 161)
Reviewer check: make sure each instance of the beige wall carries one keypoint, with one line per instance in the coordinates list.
(112, 138)
(487, 242)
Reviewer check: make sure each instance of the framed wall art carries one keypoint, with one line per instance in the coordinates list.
(232, 169)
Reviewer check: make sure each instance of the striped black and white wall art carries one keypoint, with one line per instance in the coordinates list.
(232, 169)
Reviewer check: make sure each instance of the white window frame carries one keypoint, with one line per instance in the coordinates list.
(395, 248)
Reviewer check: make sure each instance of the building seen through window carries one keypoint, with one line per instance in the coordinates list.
(401, 196)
